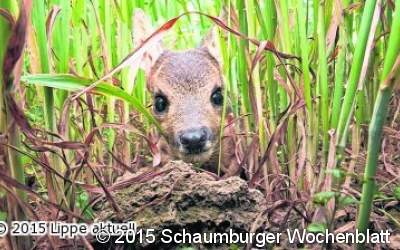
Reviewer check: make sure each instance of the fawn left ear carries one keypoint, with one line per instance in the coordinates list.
(211, 44)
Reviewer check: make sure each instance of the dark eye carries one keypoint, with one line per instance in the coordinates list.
(160, 103)
(217, 98)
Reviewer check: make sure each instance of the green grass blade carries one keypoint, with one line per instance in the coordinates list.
(72, 83)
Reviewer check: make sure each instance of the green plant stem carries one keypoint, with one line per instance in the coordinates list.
(355, 71)
(340, 69)
(242, 61)
(308, 91)
(379, 115)
(323, 81)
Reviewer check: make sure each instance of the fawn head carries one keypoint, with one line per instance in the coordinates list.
(187, 91)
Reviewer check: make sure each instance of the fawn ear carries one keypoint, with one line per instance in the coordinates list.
(142, 29)
(211, 44)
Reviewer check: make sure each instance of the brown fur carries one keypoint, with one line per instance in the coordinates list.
(188, 79)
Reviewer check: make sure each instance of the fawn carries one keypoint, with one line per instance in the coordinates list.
(187, 89)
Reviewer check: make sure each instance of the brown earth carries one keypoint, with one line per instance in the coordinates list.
(185, 199)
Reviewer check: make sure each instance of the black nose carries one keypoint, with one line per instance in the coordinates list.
(194, 140)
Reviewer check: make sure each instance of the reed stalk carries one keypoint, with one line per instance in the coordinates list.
(389, 78)
(355, 71)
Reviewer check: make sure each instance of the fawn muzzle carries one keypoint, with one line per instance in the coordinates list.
(194, 141)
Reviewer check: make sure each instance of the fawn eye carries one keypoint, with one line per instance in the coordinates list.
(217, 98)
(160, 103)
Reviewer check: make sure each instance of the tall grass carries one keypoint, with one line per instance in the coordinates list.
(390, 77)
(10, 160)
(285, 108)
(10, 156)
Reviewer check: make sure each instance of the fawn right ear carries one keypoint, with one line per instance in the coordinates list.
(210, 44)
(142, 29)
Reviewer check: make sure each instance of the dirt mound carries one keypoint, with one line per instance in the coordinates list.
(185, 199)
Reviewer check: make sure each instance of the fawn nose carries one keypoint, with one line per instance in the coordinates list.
(194, 140)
